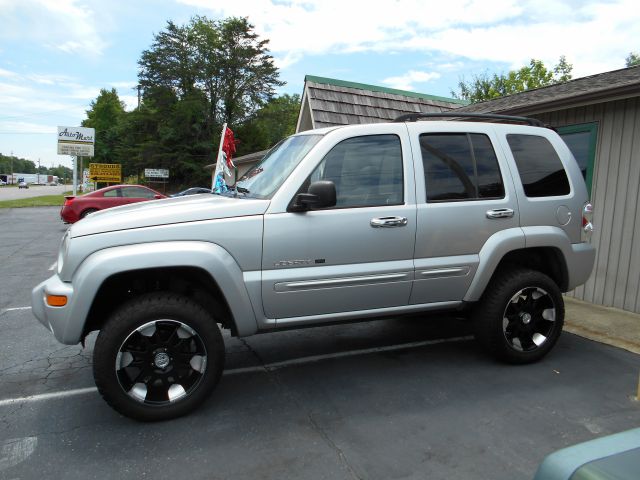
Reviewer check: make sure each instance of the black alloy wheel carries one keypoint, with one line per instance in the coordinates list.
(161, 362)
(520, 316)
(159, 356)
(529, 319)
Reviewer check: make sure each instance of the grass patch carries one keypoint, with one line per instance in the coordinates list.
(45, 201)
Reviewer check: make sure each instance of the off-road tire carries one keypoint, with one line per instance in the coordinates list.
(124, 322)
(491, 315)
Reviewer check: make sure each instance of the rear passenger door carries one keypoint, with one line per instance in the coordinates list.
(464, 195)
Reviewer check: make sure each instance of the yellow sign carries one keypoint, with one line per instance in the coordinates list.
(105, 172)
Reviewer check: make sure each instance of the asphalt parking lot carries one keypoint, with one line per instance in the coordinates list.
(404, 398)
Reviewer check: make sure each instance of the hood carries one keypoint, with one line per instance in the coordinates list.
(167, 211)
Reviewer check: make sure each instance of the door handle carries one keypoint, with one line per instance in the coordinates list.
(388, 222)
(500, 213)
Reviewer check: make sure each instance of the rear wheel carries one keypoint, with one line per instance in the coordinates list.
(87, 212)
(158, 357)
(520, 316)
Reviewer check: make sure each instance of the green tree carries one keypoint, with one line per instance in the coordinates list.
(535, 75)
(248, 74)
(170, 60)
(273, 122)
(104, 115)
(632, 59)
(18, 165)
(194, 77)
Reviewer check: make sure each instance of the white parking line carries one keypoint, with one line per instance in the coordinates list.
(257, 369)
(12, 309)
(55, 264)
(47, 396)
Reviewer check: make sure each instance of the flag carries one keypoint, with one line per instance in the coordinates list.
(224, 163)
(228, 150)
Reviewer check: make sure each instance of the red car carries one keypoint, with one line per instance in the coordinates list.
(76, 208)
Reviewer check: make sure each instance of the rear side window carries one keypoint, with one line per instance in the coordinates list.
(137, 192)
(540, 168)
(460, 166)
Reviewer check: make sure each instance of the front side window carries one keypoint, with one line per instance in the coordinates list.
(460, 166)
(539, 166)
(367, 171)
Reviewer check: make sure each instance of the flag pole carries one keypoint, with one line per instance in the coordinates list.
(219, 167)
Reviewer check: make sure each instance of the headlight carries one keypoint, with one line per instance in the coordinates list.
(62, 253)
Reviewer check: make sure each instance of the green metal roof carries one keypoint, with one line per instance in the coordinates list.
(376, 88)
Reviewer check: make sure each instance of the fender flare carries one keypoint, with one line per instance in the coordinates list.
(212, 258)
(492, 252)
(501, 243)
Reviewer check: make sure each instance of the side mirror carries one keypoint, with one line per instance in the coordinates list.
(158, 196)
(321, 194)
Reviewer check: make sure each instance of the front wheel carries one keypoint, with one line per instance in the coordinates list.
(520, 316)
(158, 357)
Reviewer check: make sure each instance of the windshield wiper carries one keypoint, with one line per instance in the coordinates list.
(242, 190)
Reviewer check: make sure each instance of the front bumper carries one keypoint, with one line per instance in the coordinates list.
(56, 319)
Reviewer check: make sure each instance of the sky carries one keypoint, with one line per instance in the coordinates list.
(56, 55)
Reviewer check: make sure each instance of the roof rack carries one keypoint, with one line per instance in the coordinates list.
(412, 117)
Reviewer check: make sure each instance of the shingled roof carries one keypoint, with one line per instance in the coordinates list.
(327, 102)
(592, 89)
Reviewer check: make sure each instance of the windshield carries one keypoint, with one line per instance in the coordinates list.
(265, 178)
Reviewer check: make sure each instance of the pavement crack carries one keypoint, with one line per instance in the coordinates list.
(327, 439)
(274, 377)
(255, 354)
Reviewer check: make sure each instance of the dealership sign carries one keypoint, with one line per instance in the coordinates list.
(105, 172)
(156, 173)
(77, 141)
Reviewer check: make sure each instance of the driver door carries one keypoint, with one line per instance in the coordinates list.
(355, 256)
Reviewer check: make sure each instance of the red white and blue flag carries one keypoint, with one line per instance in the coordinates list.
(224, 164)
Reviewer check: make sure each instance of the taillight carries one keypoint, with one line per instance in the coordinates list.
(68, 201)
(587, 218)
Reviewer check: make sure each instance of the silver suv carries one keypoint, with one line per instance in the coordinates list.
(335, 224)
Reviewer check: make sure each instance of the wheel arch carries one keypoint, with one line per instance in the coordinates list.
(190, 281)
(203, 270)
(538, 248)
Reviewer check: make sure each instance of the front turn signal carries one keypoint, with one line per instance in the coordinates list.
(56, 300)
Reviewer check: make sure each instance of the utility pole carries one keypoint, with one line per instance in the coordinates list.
(11, 158)
(38, 183)
(139, 97)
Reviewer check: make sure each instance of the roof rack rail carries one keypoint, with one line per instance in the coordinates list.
(412, 117)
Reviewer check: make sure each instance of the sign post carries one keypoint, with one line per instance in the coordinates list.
(74, 161)
(76, 141)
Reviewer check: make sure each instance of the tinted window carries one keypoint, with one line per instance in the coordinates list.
(540, 168)
(112, 193)
(460, 166)
(137, 192)
(488, 172)
(367, 171)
